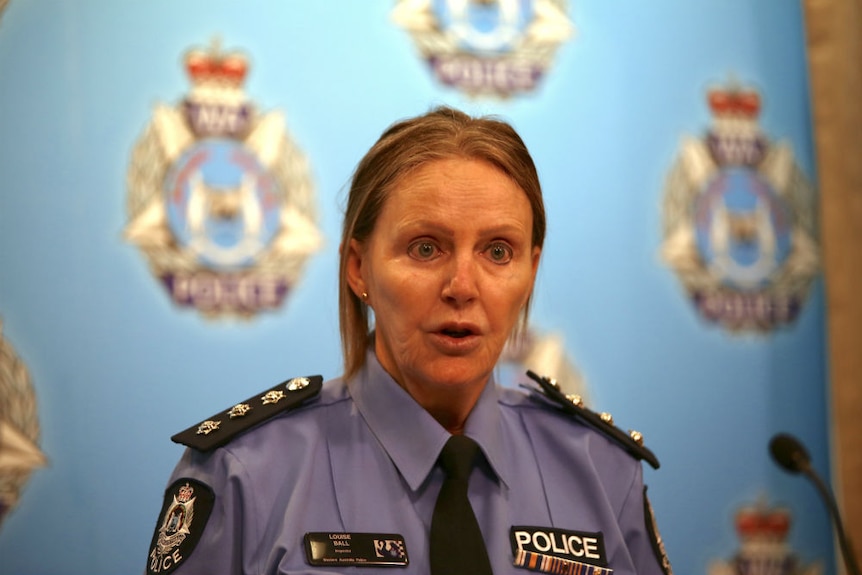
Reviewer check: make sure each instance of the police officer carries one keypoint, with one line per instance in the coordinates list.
(414, 460)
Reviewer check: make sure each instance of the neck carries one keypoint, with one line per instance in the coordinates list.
(454, 424)
(449, 405)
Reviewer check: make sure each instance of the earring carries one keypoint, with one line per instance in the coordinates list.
(364, 296)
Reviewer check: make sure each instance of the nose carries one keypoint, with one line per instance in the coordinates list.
(461, 286)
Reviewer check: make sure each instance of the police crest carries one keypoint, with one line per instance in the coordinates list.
(220, 198)
(177, 523)
(20, 454)
(739, 220)
(762, 531)
(188, 504)
(486, 47)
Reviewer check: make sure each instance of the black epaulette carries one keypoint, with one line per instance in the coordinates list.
(225, 425)
(603, 422)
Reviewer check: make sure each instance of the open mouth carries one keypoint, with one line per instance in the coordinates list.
(457, 333)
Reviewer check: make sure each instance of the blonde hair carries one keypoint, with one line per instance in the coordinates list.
(439, 134)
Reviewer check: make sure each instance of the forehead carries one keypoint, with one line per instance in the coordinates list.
(453, 184)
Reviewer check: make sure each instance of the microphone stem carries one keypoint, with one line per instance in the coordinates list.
(843, 542)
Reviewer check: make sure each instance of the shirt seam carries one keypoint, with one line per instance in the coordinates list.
(250, 495)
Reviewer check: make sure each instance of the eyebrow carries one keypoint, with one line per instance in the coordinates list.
(501, 229)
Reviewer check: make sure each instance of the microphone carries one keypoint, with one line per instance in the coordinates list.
(789, 453)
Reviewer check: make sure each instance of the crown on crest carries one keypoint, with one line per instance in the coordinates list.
(215, 66)
(185, 493)
(734, 101)
(763, 523)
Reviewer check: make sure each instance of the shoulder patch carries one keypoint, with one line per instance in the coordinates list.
(225, 425)
(655, 538)
(632, 441)
(185, 512)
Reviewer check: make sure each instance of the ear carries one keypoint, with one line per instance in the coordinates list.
(353, 269)
(535, 256)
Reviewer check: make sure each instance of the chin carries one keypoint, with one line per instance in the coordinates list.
(458, 373)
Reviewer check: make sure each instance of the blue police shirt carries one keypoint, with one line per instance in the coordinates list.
(361, 459)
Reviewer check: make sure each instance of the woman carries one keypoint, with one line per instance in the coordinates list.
(442, 239)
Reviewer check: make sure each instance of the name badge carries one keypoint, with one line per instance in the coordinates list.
(355, 549)
(555, 550)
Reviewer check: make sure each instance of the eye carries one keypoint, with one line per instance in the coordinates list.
(423, 250)
(499, 253)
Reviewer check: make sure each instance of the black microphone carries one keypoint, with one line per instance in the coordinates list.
(792, 456)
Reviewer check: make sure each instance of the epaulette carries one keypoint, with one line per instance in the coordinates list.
(225, 425)
(632, 441)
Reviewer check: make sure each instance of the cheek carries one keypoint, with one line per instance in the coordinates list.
(398, 296)
(395, 285)
(513, 296)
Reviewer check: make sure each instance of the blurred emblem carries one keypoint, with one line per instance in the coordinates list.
(739, 220)
(19, 428)
(763, 549)
(220, 198)
(486, 47)
(543, 353)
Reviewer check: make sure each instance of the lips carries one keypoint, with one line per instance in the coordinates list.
(457, 339)
(458, 330)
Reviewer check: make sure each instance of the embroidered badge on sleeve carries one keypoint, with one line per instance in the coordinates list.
(655, 537)
(184, 515)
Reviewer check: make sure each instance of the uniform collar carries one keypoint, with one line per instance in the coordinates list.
(411, 437)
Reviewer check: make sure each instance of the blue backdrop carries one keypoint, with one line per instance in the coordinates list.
(117, 368)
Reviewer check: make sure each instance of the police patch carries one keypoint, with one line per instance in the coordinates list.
(739, 220)
(491, 48)
(551, 550)
(187, 507)
(220, 198)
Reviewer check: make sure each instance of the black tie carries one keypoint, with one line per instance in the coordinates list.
(457, 546)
